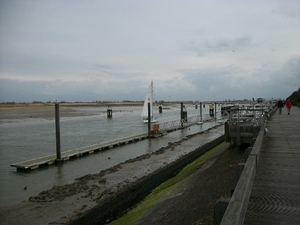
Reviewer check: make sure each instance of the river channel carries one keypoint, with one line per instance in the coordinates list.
(35, 137)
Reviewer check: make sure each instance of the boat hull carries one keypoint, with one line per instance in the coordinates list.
(151, 121)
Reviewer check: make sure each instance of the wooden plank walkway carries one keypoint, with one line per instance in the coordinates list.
(51, 159)
(275, 195)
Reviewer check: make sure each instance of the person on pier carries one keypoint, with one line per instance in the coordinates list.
(288, 105)
(280, 105)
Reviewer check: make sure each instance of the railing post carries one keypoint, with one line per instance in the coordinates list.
(215, 111)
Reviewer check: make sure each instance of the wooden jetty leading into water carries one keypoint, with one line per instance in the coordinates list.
(51, 159)
(163, 129)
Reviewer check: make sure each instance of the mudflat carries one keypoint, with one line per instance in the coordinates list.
(47, 110)
(64, 204)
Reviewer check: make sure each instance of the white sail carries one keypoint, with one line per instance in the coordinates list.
(148, 99)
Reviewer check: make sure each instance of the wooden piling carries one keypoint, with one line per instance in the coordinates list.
(160, 108)
(215, 111)
(181, 110)
(57, 128)
(149, 118)
(183, 114)
(201, 111)
(109, 112)
(211, 110)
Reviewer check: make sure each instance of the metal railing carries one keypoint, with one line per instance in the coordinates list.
(252, 114)
(179, 124)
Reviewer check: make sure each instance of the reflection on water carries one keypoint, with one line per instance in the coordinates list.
(31, 138)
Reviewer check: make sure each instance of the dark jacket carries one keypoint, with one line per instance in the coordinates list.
(280, 103)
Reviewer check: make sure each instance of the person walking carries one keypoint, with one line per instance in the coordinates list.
(288, 105)
(280, 105)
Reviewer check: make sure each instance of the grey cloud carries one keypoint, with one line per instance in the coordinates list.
(293, 66)
(205, 78)
(36, 65)
(291, 10)
(106, 50)
(13, 90)
(289, 74)
(221, 45)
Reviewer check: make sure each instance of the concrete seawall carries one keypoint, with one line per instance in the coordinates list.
(114, 207)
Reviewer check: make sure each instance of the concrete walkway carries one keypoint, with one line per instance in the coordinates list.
(275, 196)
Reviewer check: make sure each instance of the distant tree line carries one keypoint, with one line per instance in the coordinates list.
(295, 97)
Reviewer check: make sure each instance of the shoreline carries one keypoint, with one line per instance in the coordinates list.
(47, 111)
(64, 203)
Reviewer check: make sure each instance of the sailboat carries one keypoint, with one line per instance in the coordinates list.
(148, 99)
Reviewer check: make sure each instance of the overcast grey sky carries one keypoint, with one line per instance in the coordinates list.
(111, 50)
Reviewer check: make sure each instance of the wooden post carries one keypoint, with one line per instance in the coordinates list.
(58, 152)
(215, 111)
(185, 115)
(181, 114)
(109, 112)
(149, 118)
(160, 108)
(211, 110)
(238, 130)
(201, 111)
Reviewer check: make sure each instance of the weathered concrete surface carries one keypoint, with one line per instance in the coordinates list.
(275, 196)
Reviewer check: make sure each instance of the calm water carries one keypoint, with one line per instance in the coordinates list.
(31, 138)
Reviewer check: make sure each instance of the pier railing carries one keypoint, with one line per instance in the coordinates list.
(179, 124)
(237, 207)
(244, 123)
(236, 210)
(252, 113)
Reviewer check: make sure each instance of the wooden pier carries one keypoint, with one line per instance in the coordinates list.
(268, 188)
(51, 159)
(163, 129)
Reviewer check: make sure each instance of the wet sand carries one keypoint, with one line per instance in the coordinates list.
(47, 111)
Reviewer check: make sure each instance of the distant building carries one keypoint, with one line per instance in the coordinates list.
(259, 100)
